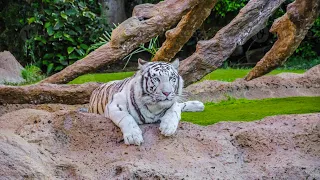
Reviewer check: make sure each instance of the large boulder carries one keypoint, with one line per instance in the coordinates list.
(37, 144)
(10, 69)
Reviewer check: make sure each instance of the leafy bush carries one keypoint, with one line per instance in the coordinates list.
(11, 13)
(64, 29)
(32, 74)
(152, 48)
(228, 6)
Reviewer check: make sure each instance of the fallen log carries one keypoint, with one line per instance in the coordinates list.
(210, 54)
(177, 37)
(291, 29)
(47, 93)
(148, 21)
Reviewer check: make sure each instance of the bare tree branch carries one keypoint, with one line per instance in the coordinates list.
(147, 22)
(47, 93)
(177, 37)
(291, 29)
(211, 54)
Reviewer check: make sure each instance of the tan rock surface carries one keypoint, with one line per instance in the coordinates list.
(10, 68)
(37, 144)
(281, 85)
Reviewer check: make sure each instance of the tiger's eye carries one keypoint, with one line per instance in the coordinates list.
(156, 79)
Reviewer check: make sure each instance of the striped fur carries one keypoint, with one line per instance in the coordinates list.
(150, 95)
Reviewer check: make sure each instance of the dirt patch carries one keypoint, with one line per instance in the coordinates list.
(74, 145)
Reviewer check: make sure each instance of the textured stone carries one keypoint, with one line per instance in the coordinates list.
(38, 144)
(281, 85)
(10, 69)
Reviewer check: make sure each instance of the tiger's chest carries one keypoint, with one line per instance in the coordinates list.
(151, 114)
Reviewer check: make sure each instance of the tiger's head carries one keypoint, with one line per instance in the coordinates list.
(160, 82)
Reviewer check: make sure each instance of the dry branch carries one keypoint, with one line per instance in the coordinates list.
(211, 54)
(177, 37)
(47, 93)
(291, 29)
(147, 22)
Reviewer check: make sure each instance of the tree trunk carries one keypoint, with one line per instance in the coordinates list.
(47, 93)
(291, 29)
(177, 37)
(113, 11)
(210, 54)
(148, 21)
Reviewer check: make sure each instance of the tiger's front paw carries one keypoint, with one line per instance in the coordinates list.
(168, 129)
(134, 136)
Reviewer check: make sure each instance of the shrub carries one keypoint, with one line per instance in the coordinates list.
(32, 74)
(64, 29)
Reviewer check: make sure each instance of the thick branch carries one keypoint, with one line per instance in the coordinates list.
(211, 54)
(47, 93)
(147, 22)
(177, 37)
(291, 29)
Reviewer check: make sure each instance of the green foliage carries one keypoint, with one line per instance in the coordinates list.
(307, 48)
(297, 62)
(228, 6)
(64, 31)
(32, 74)
(152, 47)
(10, 25)
(249, 110)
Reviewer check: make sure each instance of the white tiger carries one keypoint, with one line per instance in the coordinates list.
(150, 95)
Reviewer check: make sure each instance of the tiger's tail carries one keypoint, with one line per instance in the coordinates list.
(191, 106)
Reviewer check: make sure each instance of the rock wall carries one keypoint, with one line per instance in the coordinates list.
(37, 144)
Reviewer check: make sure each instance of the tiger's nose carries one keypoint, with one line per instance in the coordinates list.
(166, 93)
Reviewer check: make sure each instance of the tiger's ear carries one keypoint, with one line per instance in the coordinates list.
(141, 62)
(175, 64)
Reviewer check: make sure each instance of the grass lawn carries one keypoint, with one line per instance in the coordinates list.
(232, 74)
(219, 74)
(102, 77)
(249, 110)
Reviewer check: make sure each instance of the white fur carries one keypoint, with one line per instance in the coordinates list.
(122, 110)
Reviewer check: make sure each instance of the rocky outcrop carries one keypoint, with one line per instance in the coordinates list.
(281, 85)
(38, 144)
(10, 69)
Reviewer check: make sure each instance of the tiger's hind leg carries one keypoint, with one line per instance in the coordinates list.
(191, 106)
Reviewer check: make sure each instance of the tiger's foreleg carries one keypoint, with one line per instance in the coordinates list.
(117, 112)
(170, 120)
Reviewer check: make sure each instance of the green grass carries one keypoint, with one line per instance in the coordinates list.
(219, 74)
(249, 110)
(230, 75)
(103, 77)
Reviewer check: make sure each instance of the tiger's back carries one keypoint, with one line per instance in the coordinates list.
(103, 94)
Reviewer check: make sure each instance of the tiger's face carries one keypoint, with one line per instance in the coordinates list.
(161, 84)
